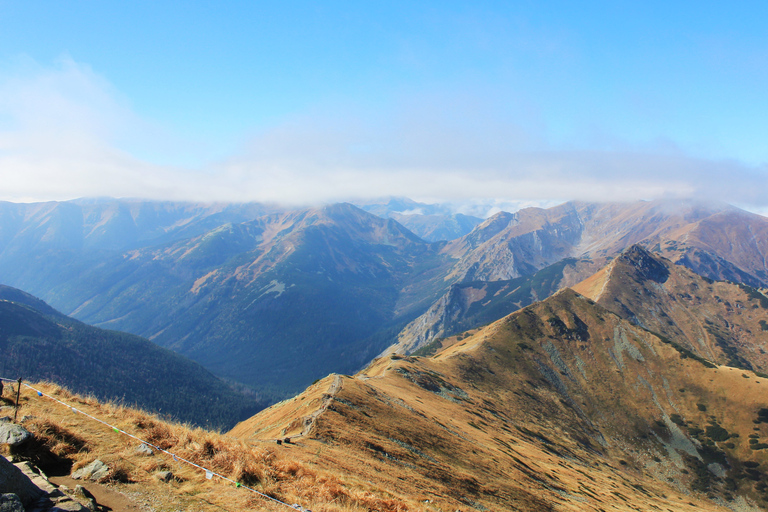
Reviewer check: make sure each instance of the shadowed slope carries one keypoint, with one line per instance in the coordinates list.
(274, 303)
(113, 366)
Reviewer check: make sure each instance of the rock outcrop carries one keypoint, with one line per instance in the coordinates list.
(14, 481)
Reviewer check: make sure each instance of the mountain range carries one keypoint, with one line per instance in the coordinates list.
(430, 222)
(277, 298)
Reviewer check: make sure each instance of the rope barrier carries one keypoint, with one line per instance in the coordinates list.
(209, 473)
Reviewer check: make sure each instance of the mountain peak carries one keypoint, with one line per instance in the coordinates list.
(647, 265)
(635, 265)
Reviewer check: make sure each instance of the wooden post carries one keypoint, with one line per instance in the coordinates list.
(18, 393)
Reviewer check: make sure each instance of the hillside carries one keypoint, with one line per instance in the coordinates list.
(721, 321)
(47, 246)
(560, 406)
(471, 304)
(274, 303)
(112, 365)
(67, 441)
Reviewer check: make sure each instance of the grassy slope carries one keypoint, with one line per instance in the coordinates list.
(66, 441)
(721, 321)
(562, 406)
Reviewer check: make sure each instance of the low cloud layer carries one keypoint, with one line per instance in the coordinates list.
(65, 133)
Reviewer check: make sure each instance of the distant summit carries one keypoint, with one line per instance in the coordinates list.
(432, 222)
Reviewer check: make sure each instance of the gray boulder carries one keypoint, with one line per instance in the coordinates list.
(94, 471)
(12, 480)
(9, 502)
(13, 435)
(69, 506)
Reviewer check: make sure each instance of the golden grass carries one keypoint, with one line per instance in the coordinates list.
(80, 440)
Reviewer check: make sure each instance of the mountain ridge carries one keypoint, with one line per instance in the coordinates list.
(562, 405)
(674, 301)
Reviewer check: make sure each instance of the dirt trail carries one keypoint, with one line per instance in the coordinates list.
(310, 420)
(106, 497)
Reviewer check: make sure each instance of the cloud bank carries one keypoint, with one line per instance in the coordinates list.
(65, 132)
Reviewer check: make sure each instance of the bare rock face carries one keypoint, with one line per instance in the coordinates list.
(12, 480)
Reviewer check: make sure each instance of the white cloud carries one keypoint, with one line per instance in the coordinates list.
(63, 131)
(60, 134)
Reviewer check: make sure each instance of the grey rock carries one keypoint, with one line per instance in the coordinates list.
(57, 501)
(164, 476)
(9, 502)
(36, 476)
(82, 492)
(5, 419)
(57, 494)
(144, 450)
(13, 480)
(94, 471)
(13, 435)
(69, 506)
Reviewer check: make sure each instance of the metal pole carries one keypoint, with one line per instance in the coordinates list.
(18, 393)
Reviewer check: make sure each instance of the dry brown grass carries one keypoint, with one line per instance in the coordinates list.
(53, 448)
(78, 440)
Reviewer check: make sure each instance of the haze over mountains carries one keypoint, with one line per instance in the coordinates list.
(277, 298)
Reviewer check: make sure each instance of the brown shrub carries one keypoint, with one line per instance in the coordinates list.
(160, 435)
(51, 446)
(118, 473)
(58, 439)
(330, 489)
(288, 469)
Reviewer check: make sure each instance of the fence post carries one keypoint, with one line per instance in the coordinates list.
(18, 393)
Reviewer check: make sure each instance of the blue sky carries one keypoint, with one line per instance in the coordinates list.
(317, 101)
